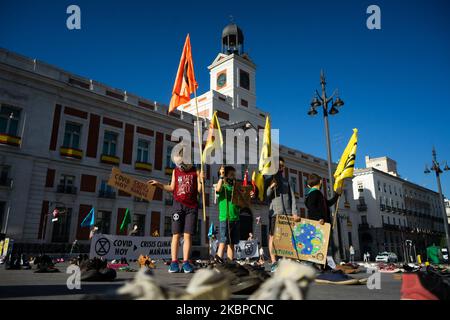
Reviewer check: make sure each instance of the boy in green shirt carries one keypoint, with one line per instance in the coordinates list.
(228, 214)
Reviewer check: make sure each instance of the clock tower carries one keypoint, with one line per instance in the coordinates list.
(232, 73)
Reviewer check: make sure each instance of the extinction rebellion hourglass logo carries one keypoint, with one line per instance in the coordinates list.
(102, 246)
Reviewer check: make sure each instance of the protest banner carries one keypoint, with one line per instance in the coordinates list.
(111, 247)
(130, 185)
(305, 240)
(243, 250)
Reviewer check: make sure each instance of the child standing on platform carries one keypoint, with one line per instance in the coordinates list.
(185, 185)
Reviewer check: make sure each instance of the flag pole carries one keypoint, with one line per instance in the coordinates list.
(336, 209)
(200, 140)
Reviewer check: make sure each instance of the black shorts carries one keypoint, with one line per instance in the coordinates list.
(272, 221)
(184, 219)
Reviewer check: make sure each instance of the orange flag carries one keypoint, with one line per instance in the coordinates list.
(185, 83)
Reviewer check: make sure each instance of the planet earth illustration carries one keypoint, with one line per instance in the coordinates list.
(307, 239)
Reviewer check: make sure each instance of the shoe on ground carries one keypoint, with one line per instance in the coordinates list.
(174, 267)
(218, 259)
(336, 278)
(273, 267)
(187, 267)
(290, 281)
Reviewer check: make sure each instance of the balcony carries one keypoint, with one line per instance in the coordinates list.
(388, 208)
(66, 189)
(363, 226)
(361, 207)
(168, 171)
(104, 158)
(382, 207)
(143, 166)
(10, 140)
(106, 194)
(71, 152)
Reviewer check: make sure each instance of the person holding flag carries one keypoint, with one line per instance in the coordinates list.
(185, 85)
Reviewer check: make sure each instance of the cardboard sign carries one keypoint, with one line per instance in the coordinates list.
(130, 185)
(305, 240)
(243, 250)
(111, 247)
(241, 195)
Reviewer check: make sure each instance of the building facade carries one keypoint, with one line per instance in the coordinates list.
(61, 134)
(393, 210)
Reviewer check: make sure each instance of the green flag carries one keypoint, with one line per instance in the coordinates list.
(126, 220)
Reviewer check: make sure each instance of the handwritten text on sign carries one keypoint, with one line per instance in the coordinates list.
(130, 185)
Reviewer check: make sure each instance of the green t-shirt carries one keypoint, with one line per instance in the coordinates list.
(233, 210)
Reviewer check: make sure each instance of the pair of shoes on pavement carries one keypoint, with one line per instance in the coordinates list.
(338, 277)
(186, 267)
(242, 279)
(206, 284)
(290, 281)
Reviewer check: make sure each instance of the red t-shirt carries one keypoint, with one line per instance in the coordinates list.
(186, 188)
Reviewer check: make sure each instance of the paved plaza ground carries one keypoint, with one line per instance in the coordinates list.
(25, 284)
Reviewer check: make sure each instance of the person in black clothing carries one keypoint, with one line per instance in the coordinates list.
(316, 203)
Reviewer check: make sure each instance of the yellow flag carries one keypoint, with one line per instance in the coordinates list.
(258, 183)
(264, 163)
(346, 164)
(211, 143)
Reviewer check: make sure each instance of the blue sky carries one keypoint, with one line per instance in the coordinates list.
(394, 81)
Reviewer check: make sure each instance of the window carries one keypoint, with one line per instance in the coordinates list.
(244, 79)
(4, 176)
(67, 184)
(103, 221)
(72, 135)
(390, 189)
(167, 226)
(379, 185)
(169, 163)
(143, 151)
(388, 220)
(350, 242)
(382, 219)
(2, 216)
(110, 143)
(384, 187)
(364, 219)
(61, 228)
(294, 184)
(9, 120)
(106, 191)
(139, 221)
(244, 103)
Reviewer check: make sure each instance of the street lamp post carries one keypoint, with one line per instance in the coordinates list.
(321, 99)
(437, 169)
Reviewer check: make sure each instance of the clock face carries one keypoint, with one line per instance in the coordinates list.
(221, 80)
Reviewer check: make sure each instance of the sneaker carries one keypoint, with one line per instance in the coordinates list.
(218, 259)
(187, 268)
(273, 267)
(174, 267)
